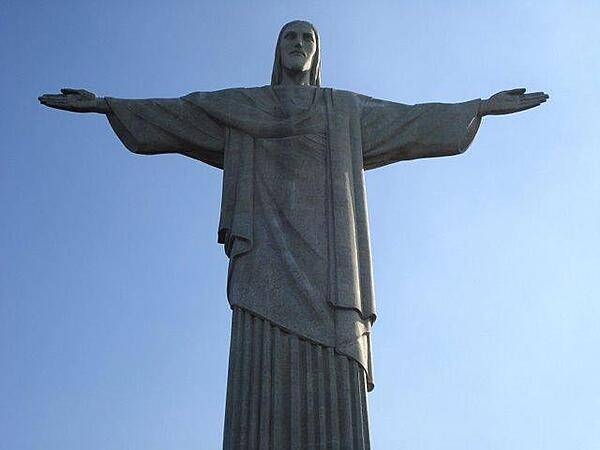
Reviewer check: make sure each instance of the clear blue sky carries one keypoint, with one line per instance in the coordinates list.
(114, 326)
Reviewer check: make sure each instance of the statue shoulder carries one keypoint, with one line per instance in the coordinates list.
(348, 99)
(231, 96)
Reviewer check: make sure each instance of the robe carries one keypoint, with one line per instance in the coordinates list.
(294, 219)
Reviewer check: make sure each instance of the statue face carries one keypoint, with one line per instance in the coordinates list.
(297, 47)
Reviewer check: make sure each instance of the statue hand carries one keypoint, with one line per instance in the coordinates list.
(75, 100)
(514, 100)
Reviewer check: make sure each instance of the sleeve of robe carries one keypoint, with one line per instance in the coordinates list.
(394, 132)
(156, 126)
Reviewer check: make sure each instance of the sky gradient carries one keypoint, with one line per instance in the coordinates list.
(114, 326)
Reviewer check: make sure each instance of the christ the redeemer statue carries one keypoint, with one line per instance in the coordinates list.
(294, 225)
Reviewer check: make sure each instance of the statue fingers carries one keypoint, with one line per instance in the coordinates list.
(534, 95)
(58, 101)
(517, 91)
(536, 99)
(78, 92)
(51, 99)
(525, 107)
(48, 96)
(68, 91)
(528, 105)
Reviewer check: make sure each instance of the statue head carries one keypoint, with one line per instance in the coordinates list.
(298, 50)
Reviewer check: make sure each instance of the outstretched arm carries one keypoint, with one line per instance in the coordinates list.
(151, 126)
(75, 100)
(394, 132)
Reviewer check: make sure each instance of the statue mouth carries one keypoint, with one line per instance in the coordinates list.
(297, 52)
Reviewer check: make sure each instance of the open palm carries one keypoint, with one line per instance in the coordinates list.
(511, 101)
(75, 100)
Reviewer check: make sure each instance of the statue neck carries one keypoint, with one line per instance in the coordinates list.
(295, 77)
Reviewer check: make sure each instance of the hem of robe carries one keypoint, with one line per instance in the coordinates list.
(284, 392)
(365, 366)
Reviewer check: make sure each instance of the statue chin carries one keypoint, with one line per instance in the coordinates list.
(297, 69)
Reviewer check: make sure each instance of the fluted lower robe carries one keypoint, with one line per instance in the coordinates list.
(294, 225)
(284, 392)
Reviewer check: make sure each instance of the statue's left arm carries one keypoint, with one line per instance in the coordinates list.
(394, 132)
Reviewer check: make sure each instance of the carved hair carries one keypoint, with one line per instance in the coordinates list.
(315, 66)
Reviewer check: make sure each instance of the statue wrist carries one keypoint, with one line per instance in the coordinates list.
(102, 106)
(484, 108)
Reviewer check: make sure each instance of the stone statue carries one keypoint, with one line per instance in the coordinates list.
(294, 225)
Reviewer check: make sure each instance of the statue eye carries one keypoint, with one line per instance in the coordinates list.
(309, 37)
(290, 35)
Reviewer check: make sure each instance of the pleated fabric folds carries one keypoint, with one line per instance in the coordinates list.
(286, 393)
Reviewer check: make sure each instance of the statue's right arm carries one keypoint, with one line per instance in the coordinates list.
(152, 126)
(75, 100)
